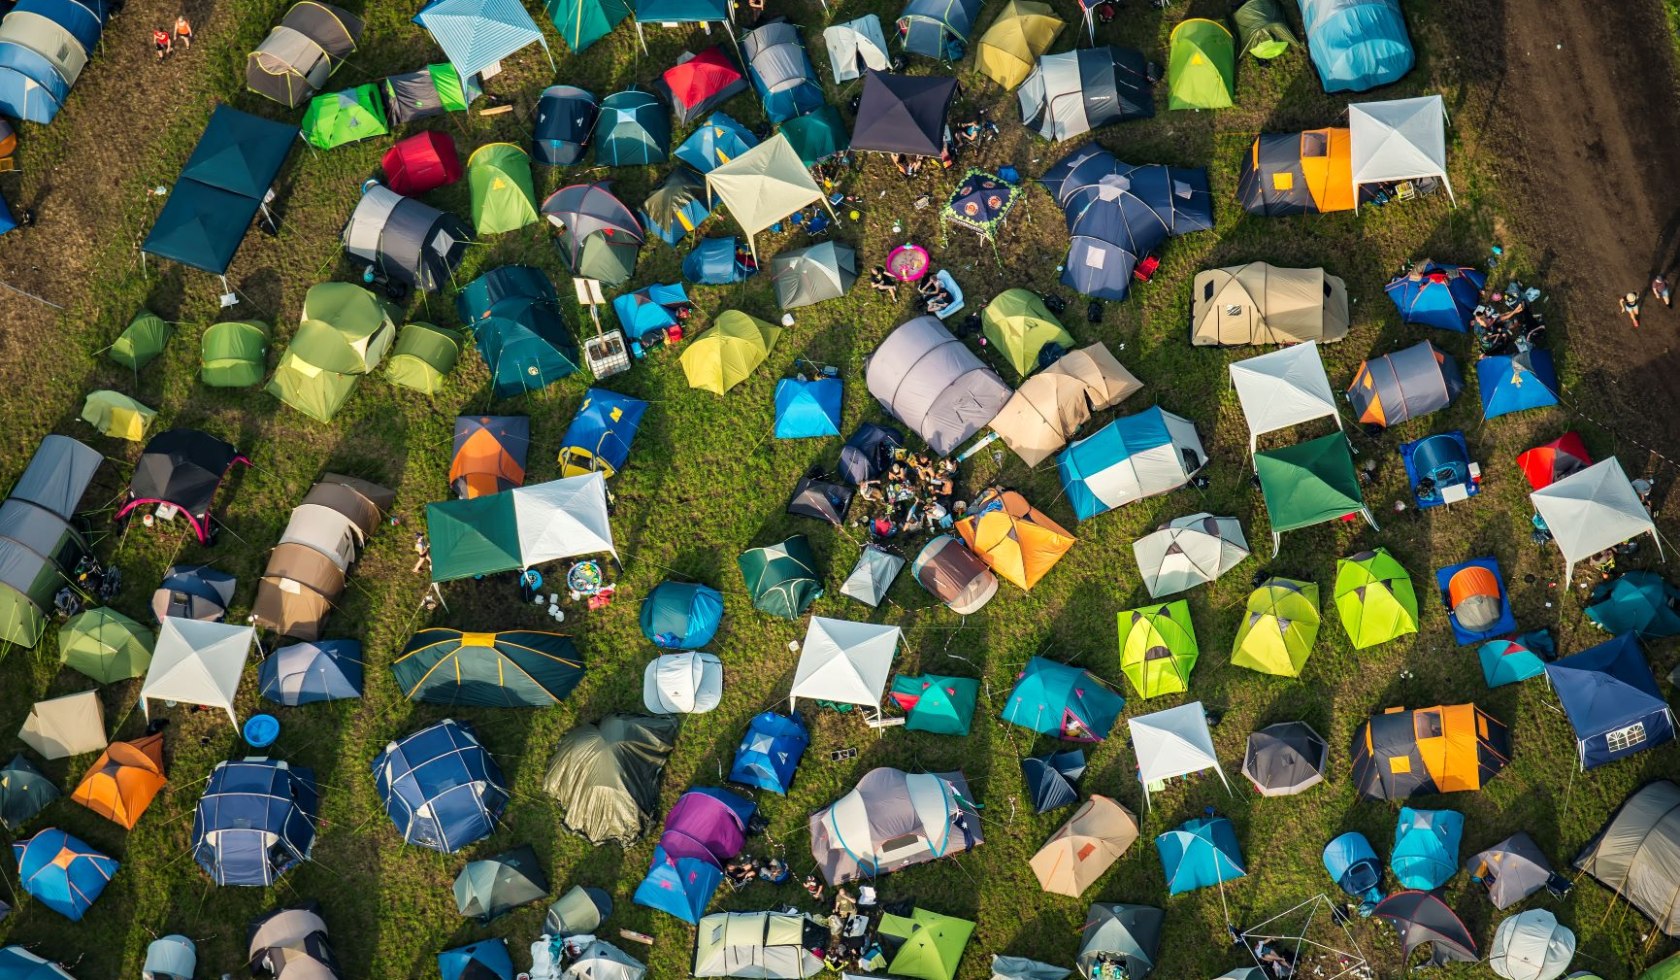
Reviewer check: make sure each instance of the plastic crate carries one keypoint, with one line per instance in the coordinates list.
(607, 354)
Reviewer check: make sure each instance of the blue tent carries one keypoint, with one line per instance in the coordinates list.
(31, 89)
(440, 787)
(807, 409)
(770, 751)
(565, 120)
(717, 141)
(1508, 661)
(476, 34)
(61, 872)
(1438, 469)
(781, 71)
(937, 28)
(1638, 602)
(484, 960)
(681, 615)
(1611, 701)
(632, 130)
(1067, 702)
(1357, 44)
(84, 21)
(1132, 457)
(681, 886)
(1426, 847)
(1050, 778)
(1475, 612)
(1353, 864)
(304, 673)
(255, 821)
(17, 963)
(1200, 854)
(650, 308)
(713, 262)
(7, 222)
(1115, 224)
(599, 438)
(1441, 296)
(1517, 383)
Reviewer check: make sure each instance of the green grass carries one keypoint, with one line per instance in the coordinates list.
(705, 482)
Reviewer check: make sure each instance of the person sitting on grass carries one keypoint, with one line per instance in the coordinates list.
(814, 888)
(774, 871)
(883, 281)
(740, 871)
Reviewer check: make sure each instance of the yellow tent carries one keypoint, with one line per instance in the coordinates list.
(117, 415)
(1078, 853)
(1009, 49)
(723, 356)
(1018, 541)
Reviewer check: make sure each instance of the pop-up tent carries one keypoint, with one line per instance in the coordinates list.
(1201, 853)
(1017, 324)
(565, 121)
(855, 47)
(1637, 852)
(1278, 628)
(1172, 743)
(1517, 382)
(632, 129)
(1532, 945)
(1375, 598)
(1406, 384)
(62, 873)
(1546, 464)
(845, 662)
(605, 775)
(813, 274)
(1281, 389)
(510, 669)
(872, 576)
(1158, 648)
(728, 351)
(1285, 759)
(1445, 749)
(955, 575)
(1357, 44)
(937, 28)
(1050, 407)
(1130, 458)
(1612, 701)
(781, 578)
(307, 673)
(1052, 778)
(1310, 172)
(302, 51)
(197, 663)
(105, 645)
(422, 357)
(904, 113)
(1424, 917)
(681, 615)
(930, 381)
(1439, 469)
(234, 353)
(891, 820)
(688, 683)
(714, 143)
(476, 35)
(1401, 139)
(1309, 483)
(1126, 936)
(1257, 303)
(440, 786)
(338, 118)
(1591, 510)
(781, 70)
(255, 821)
(1201, 65)
(1061, 700)
(172, 957)
(409, 241)
(1425, 854)
(503, 198)
(770, 752)
(930, 945)
(599, 234)
(1009, 50)
(1189, 551)
(764, 185)
(1436, 295)
(1017, 540)
(1084, 847)
(697, 84)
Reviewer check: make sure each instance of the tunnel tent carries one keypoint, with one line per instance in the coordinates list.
(856, 46)
(775, 945)
(234, 353)
(929, 380)
(1357, 45)
(1263, 28)
(116, 415)
(1406, 384)
(1050, 407)
(1309, 172)
(1401, 139)
(1283, 389)
(1022, 32)
(1131, 458)
(298, 56)
(406, 240)
(141, 341)
(1257, 303)
(1201, 65)
(1074, 92)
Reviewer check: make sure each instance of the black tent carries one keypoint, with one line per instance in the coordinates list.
(181, 468)
(406, 239)
(565, 118)
(903, 113)
(868, 453)
(813, 497)
(1050, 778)
(1420, 917)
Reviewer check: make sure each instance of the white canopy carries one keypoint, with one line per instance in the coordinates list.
(197, 662)
(1173, 743)
(1401, 139)
(1593, 509)
(1282, 388)
(59, 728)
(1531, 945)
(845, 662)
(1189, 551)
(764, 185)
(690, 682)
(563, 519)
(854, 46)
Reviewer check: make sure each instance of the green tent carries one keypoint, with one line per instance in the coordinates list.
(931, 944)
(117, 415)
(24, 792)
(303, 386)
(234, 353)
(503, 198)
(141, 341)
(781, 578)
(1278, 628)
(471, 537)
(1158, 648)
(1018, 326)
(423, 356)
(936, 703)
(491, 887)
(583, 22)
(817, 135)
(1668, 969)
(344, 117)
(1263, 28)
(1201, 65)
(1375, 599)
(1309, 483)
(345, 332)
(105, 645)
(510, 669)
(34, 572)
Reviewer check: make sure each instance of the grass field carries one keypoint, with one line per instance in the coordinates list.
(705, 482)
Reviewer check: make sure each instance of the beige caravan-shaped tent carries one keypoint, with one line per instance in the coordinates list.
(62, 727)
(1049, 407)
(1259, 303)
(763, 945)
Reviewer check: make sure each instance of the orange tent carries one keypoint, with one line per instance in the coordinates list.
(1016, 539)
(490, 454)
(121, 785)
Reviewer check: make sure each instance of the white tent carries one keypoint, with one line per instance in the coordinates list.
(1021, 968)
(1173, 743)
(1401, 139)
(1531, 945)
(845, 662)
(766, 945)
(1593, 509)
(690, 682)
(1189, 551)
(1283, 388)
(59, 728)
(198, 663)
(872, 576)
(601, 960)
(854, 46)
(563, 519)
(764, 185)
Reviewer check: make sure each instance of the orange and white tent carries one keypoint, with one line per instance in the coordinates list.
(1016, 539)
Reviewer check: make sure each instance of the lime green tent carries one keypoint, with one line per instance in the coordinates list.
(1018, 326)
(723, 356)
(423, 356)
(1201, 65)
(473, 536)
(1278, 629)
(141, 341)
(117, 415)
(932, 944)
(1668, 969)
(1158, 648)
(1309, 483)
(936, 703)
(105, 645)
(316, 393)
(1375, 599)
(503, 198)
(234, 353)
(345, 332)
(344, 117)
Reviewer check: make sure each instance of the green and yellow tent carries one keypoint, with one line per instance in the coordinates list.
(422, 357)
(1018, 326)
(1201, 65)
(1158, 648)
(473, 536)
(344, 117)
(723, 356)
(503, 197)
(234, 353)
(105, 645)
(1375, 599)
(345, 332)
(1278, 628)
(1010, 48)
(117, 415)
(931, 945)
(141, 341)
(510, 669)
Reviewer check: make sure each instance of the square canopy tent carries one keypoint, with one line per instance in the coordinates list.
(682, 12)
(476, 35)
(1283, 388)
(1309, 483)
(1593, 509)
(845, 662)
(197, 662)
(764, 185)
(562, 519)
(1401, 139)
(1173, 743)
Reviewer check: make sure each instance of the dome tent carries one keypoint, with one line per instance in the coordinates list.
(1050, 407)
(440, 786)
(893, 820)
(105, 645)
(1017, 324)
(770, 752)
(514, 668)
(1285, 758)
(681, 615)
(1531, 945)
(782, 577)
(1022, 32)
(1158, 648)
(688, 682)
(605, 775)
(255, 821)
(1278, 628)
(1201, 68)
(24, 792)
(493, 886)
(124, 780)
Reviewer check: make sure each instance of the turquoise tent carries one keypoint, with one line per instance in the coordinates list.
(1638, 602)
(1509, 661)
(936, 703)
(1200, 854)
(1056, 699)
(808, 409)
(1357, 44)
(1426, 847)
(633, 129)
(583, 22)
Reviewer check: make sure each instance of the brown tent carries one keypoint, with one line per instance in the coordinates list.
(1078, 853)
(959, 577)
(1264, 304)
(1049, 407)
(306, 571)
(357, 509)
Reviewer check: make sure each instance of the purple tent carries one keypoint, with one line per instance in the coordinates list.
(707, 824)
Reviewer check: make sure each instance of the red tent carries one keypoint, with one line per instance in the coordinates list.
(702, 83)
(1547, 464)
(422, 162)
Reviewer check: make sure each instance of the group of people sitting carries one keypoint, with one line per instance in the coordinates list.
(914, 494)
(852, 945)
(745, 870)
(1506, 324)
(935, 295)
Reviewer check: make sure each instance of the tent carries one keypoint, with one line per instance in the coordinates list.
(1510, 870)
(1201, 853)
(141, 341)
(1591, 510)
(1130, 458)
(705, 828)
(1052, 778)
(1403, 385)
(1285, 758)
(1022, 32)
(43, 49)
(807, 408)
(39, 545)
(24, 792)
(1085, 846)
(579, 912)
(1201, 65)
(563, 518)
(936, 703)
(491, 887)
(105, 645)
(1021, 968)
(1422, 917)
(817, 135)
(1509, 661)
(632, 129)
(1189, 551)
(422, 357)
(1278, 628)
(1434, 295)
(234, 353)
(781, 70)
(1263, 28)
(124, 780)
(344, 332)
(1309, 483)
(778, 945)
(1517, 383)
(486, 959)
(937, 28)
(855, 47)
(1050, 407)
(583, 22)
(1477, 606)
(904, 113)
(476, 35)
(869, 452)
(193, 592)
(489, 454)
(1402, 139)
(763, 186)
(1531, 945)
(298, 56)
(1638, 602)
(599, 234)
(526, 344)
(683, 683)
(932, 382)
(292, 944)
(955, 575)
(1127, 936)
(61, 872)
(813, 274)
(171, 957)
(605, 775)
(1444, 749)
(727, 352)
(1016, 540)
(714, 262)
(1612, 701)
(1636, 852)
(565, 120)
(844, 662)
(872, 576)
(499, 176)
(197, 663)
(1439, 469)
(1309, 172)
(681, 887)
(473, 537)
(1263, 304)
(405, 240)
(510, 669)
(1173, 743)
(681, 615)
(676, 12)
(1357, 45)
(1061, 700)
(930, 944)
(1375, 598)
(1426, 842)
(255, 821)
(337, 118)
(892, 820)
(1550, 462)
(980, 203)
(1353, 864)
(306, 571)
(656, 307)
(422, 162)
(441, 788)
(676, 208)
(770, 752)
(1158, 648)
(311, 672)
(1018, 326)
(699, 83)
(430, 91)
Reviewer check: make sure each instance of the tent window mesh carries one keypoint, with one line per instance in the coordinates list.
(1623, 739)
(1314, 145)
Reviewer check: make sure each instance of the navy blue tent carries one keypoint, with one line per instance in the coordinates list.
(1050, 778)
(937, 28)
(868, 453)
(7, 222)
(1517, 383)
(1354, 865)
(1117, 214)
(681, 615)
(770, 751)
(1611, 701)
(255, 821)
(679, 886)
(484, 960)
(440, 787)
(713, 262)
(304, 673)
(565, 119)
(1436, 295)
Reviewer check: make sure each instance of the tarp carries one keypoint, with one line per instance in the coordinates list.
(440, 786)
(845, 662)
(1173, 743)
(892, 820)
(1637, 853)
(932, 382)
(1084, 847)
(1010, 48)
(764, 185)
(1591, 510)
(1259, 303)
(1445, 749)
(478, 34)
(605, 775)
(1401, 139)
(1132, 457)
(1309, 172)
(1061, 700)
(197, 662)
(1357, 44)
(1478, 607)
(1612, 701)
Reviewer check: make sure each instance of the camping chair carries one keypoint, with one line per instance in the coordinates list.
(819, 224)
(1145, 268)
(1558, 886)
(950, 283)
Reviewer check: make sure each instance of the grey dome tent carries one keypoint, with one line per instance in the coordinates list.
(781, 70)
(855, 47)
(24, 792)
(815, 273)
(301, 52)
(1129, 935)
(930, 381)
(1637, 854)
(405, 239)
(1510, 870)
(496, 885)
(1285, 759)
(872, 576)
(578, 912)
(1077, 91)
(903, 113)
(937, 28)
(605, 775)
(892, 820)
(599, 234)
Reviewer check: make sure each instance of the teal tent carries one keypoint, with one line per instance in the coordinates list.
(583, 22)
(782, 578)
(1062, 700)
(1638, 602)
(817, 135)
(935, 703)
(632, 129)
(472, 537)
(510, 669)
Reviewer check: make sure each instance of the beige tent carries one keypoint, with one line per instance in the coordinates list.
(66, 726)
(764, 185)
(1049, 407)
(1078, 853)
(1263, 304)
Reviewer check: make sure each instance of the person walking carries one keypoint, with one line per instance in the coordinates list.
(161, 42)
(1630, 306)
(1659, 289)
(183, 31)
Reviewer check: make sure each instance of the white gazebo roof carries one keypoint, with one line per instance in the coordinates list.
(1400, 139)
(1593, 509)
(845, 661)
(1173, 743)
(1283, 388)
(197, 662)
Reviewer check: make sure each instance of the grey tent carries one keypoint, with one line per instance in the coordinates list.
(432, 91)
(601, 960)
(892, 820)
(1128, 935)
(855, 47)
(1637, 854)
(172, 957)
(814, 273)
(1510, 870)
(821, 499)
(606, 775)
(497, 885)
(1285, 759)
(599, 234)
(1403, 385)
(194, 592)
(903, 113)
(578, 912)
(297, 57)
(1423, 917)
(1021, 968)
(872, 576)
(407, 240)
(1532, 945)
(24, 792)
(932, 382)
(39, 547)
(929, 27)
(1077, 91)
(781, 70)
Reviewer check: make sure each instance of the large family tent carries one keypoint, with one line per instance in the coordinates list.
(491, 887)
(699, 83)
(124, 780)
(775, 945)
(1517, 382)
(44, 46)
(565, 121)
(503, 199)
(1009, 50)
(406, 240)
(1426, 842)
(1278, 627)
(813, 274)
(1415, 381)
(599, 234)
(426, 92)
(855, 47)
(1263, 29)
(234, 353)
(781, 70)
(490, 453)
(440, 786)
(873, 575)
(1357, 44)
(1050, 407)
(1016, 540)
(845, 662)
(1637, 851)
(514, 314)
(605, 775)
(1189, 551)
(1263, 304)
(1434, 295)
(930, 945)
(1202, 853)
(1282, 389)
(1309, 172)
(1286, 758)
(714, 143)
(24, 792)
(683, 683)
(904, 113)
(1591, 510)
(727, 353)
(1130, 458)
(807, 408)
(105, 645)
(583, 22)
(1201, 65)
(61, 872)
(312, 672)
(1399, 140)
(891, 820)
(509, 669)
(1018, 326)
(1444, 749)
(770, 752)
(1052, 778)
(1375, 598)
(1126, 936)
(71, 724)
(1550, 462)
(676, 208)
(1061, 700)
(955, 575)
(932, 382)
(197, 662)
(255, 821)
(1531, 945)
(937, 28)
(422, 357)
(220, 190)
(344, 334)
(1424, 917)
(1639, 602)
(632, 129)
(1158, 648)
(141, 341)
(600, 434)
(39, 543)
(338, 118)
(1511, 870)
(1172, 743)
(476, 35)
(781, 578)
(1612, 701)
(116, 415)
(936, 703)
(1309, 483)
(763, 186)
(1085, 846)
(681, 615)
